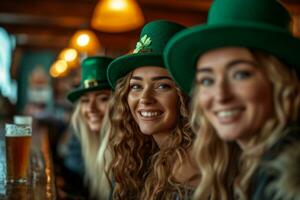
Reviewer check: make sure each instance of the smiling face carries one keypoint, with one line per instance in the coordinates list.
(153, 100)
(233, 93)
(93, 106)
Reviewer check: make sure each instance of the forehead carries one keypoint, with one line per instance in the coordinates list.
(97, 92)
(150, 71)
(223, 56)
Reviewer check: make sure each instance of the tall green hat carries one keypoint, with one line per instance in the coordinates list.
(93, 76)
(148, 51)
(256, 24)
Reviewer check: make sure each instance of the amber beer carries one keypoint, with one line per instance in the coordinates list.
(18, 141)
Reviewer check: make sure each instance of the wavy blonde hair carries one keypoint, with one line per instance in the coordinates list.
(89, 149)
(141, 170)
(225, 170)
(104, 159)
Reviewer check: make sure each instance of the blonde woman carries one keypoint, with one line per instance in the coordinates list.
(91, 100)
(246, 99)
(150, 136)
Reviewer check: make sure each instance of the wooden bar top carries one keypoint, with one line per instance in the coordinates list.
(41, 184)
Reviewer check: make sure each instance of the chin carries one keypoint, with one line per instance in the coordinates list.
(228, 137)
(95, 128)
(147, 131)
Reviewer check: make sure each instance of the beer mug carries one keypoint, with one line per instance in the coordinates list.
(18, 142)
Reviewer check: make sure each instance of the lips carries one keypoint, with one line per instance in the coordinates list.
(150, 114)
(229, 115)
(94, 118)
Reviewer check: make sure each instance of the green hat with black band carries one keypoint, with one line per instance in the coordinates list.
(254, 24)
(148, 52)
(93, 76)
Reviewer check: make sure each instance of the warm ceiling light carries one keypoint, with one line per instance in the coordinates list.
(117, 16)
(59, 68)
(117, 4)
(53, 72)
(69, 55)
(85, 41)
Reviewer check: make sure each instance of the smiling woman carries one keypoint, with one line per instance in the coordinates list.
(148, 120)
(91, 99)
(246, 99)
(93, 108)
(153, 101)
(234, 93)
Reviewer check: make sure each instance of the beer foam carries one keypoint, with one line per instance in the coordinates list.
(14, 130)
(18, 119)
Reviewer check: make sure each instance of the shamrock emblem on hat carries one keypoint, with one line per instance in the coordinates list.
(143, 45)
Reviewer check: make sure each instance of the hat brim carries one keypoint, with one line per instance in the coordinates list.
(78, 92)
(125, 64)
(183, 50)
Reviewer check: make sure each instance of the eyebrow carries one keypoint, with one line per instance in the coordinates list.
(153, 79)
(228, 65)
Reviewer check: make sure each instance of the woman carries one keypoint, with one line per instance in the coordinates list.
(148, 116)
(91, 100)
(246, 99)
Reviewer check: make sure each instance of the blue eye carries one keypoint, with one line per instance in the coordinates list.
(240, 75)
(135, 87)
(164, 86)
(206, 82)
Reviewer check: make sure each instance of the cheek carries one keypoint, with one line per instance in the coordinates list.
(173, 104)
(203, 99)
(131, 100)
(102, 106)
(82, 110)
(259, 96)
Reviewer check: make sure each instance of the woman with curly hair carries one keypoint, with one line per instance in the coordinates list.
(148, 118)
(246, 99)
(91, 99)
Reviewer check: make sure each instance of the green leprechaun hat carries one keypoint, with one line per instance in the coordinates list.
(254, 24)
(148, 52)
(93, 76)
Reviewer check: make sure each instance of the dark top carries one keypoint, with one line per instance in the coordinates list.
(74, 161)
(266, 175)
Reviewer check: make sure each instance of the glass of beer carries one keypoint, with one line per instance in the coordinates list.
(18, 142)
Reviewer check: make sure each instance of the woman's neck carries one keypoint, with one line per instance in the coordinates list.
(161, 139)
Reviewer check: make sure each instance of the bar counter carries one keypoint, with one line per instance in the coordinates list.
(40, 184)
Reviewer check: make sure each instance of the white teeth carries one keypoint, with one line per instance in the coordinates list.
(227, 113)
(94, 118)
(149, 114)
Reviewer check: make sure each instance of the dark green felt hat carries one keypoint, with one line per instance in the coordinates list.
(93, 76)
(255, 24)
(148, 52)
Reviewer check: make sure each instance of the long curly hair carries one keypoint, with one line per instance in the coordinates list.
(225, 169)
(141, 170)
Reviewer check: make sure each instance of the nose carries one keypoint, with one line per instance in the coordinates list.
(147, 97)
(92, 105)
(223, 91)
